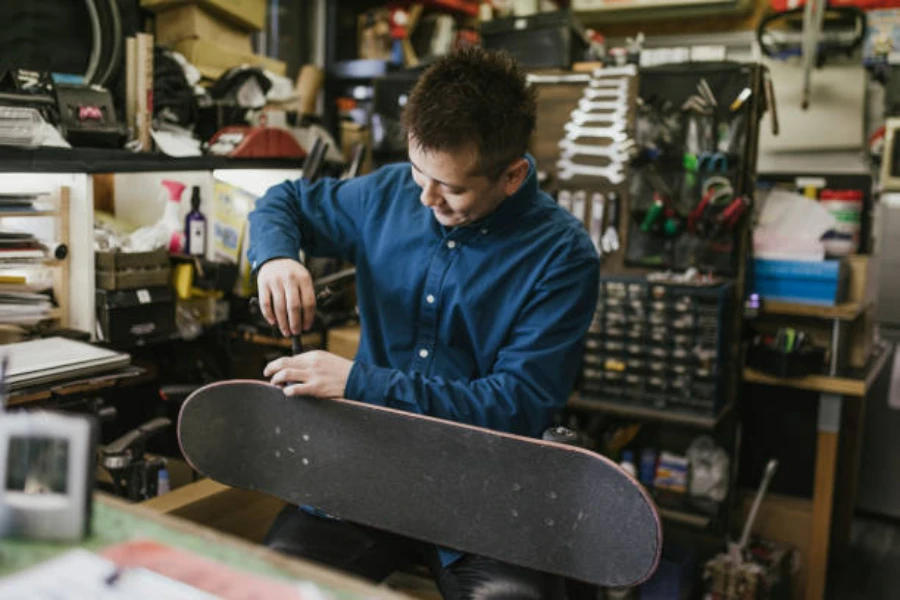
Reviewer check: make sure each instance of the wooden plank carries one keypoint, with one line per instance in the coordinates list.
(853, 420)
(823, 503)
(846, 311)
(784, 519)
(344, 341)
(817, 383)
(247, 515)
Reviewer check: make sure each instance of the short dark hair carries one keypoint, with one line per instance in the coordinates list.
(474, 96)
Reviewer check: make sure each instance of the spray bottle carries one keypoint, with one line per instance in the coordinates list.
(171, 219)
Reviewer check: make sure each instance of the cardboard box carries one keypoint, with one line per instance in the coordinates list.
(192, 22)
(351, 133)
(787, 520)
(213, 60)
(863, 278)
(247, 14)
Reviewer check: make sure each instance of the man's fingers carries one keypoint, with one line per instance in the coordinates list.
(273, 367)
(265, 304)
(289, 376)
(299, 389)
(308, 299)
(280, 310)
(292, 297)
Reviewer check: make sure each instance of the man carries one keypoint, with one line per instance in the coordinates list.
(474, 289)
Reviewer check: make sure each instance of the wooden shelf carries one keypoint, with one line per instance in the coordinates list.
(309, 340)
(678, 516)
(846, 311)
(856, 385)
(28, 213)
(649, 414)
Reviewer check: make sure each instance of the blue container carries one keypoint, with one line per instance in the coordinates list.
(807, 282)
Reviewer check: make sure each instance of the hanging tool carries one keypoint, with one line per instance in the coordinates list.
(614, 152)
(619, 95)
(736, 551)
(607, 72)
(610, 241)
(615, 132)
(609, 84)
(598, 203)
(566, 169)
(580, 117)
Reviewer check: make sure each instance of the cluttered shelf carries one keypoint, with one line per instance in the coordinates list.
(685, 518)
(854, 382)
(94, 160)
(845, 311)
(27, 213)
(576, 400)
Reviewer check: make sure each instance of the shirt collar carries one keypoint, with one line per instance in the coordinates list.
(515, 205)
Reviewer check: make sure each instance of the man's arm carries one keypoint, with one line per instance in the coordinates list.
(321, 218)
(534, 372)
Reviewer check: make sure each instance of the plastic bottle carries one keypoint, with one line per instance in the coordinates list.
(195, 227)
(627, 463)
(162, 481)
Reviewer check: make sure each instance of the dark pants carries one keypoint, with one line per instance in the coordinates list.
(374, 555)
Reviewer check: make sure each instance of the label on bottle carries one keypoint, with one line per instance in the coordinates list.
(197, 237)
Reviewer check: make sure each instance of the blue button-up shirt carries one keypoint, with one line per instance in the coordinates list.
(481, 324)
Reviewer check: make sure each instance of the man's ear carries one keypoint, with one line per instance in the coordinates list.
(514, 176)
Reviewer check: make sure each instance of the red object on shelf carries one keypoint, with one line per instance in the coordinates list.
(466, 7)
(262, 142)
(783, 5)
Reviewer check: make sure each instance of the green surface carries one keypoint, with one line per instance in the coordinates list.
(112, 526)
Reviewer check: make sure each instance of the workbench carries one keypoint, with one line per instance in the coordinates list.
(841, 418)
(115, 521)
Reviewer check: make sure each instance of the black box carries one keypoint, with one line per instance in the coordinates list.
(130, 317)
(545, 40)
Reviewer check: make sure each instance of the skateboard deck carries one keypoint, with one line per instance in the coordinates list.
(537, 504)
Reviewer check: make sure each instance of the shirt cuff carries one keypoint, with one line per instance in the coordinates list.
(368, 384)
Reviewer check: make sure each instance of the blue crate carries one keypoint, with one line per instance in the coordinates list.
(807, 282)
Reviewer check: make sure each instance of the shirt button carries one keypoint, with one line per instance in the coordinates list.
(429, 299)
(423, 353)
(451, 244)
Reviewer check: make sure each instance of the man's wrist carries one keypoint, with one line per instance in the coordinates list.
(368, 383)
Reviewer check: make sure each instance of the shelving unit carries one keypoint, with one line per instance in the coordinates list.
(645, 413)
(846, 311)
(61, 270)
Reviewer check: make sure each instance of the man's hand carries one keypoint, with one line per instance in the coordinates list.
(286, 295)
(318, 373)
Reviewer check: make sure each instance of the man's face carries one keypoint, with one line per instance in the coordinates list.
(450, 188)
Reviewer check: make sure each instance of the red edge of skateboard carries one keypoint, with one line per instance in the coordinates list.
(647, 499)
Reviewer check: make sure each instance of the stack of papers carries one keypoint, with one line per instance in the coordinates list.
(55, 359)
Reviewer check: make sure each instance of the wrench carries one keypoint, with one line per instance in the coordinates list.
(587, 106)
(613, 152)
(581, 117)
(616, 131)
(612, 172)
(596, 228)
(564, 199)
(619, 95)
(623, 71)
(577, 132)
(621, 84)
(610, 241)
